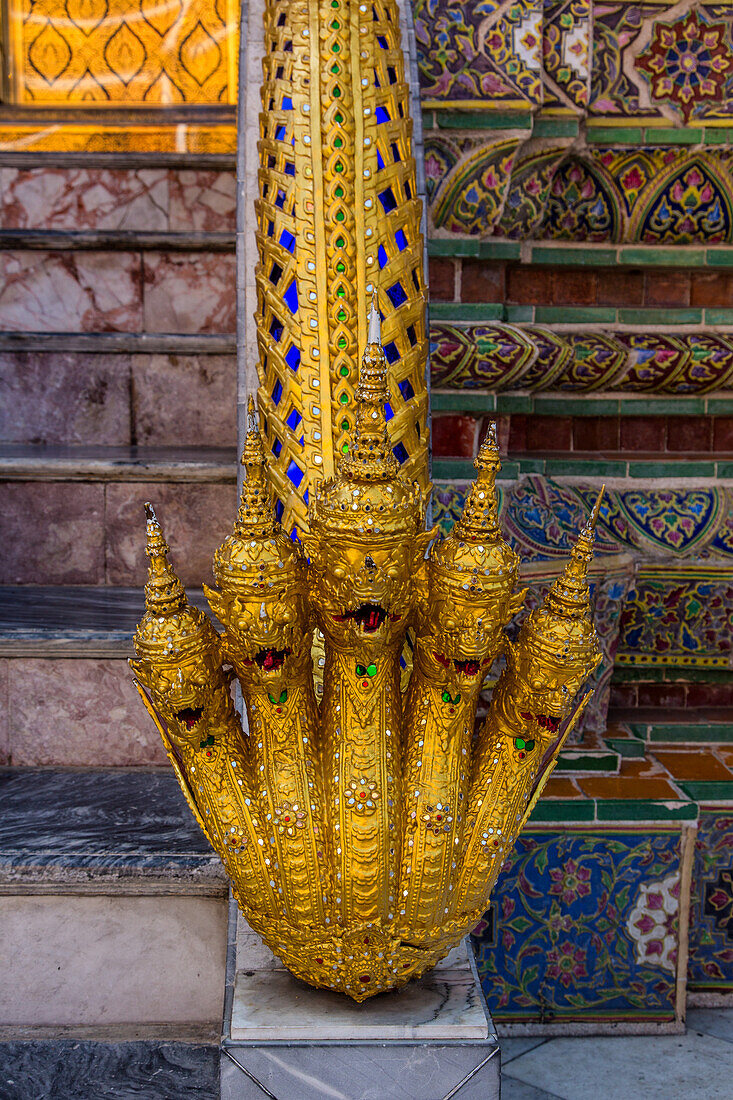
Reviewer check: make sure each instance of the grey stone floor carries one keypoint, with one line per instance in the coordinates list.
(697, 1065)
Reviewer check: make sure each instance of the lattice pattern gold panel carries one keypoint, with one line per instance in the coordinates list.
(337, 217)
(133, 52)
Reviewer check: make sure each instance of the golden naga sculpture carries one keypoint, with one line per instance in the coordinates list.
(363, 831)
(363, 835)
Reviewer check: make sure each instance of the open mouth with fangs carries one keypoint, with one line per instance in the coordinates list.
(271, 660)
(470, 667)
(368, 617)
(190, 716)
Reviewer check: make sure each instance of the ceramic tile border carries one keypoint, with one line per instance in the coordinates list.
(567, 316)
(583, 254)
(459, 469)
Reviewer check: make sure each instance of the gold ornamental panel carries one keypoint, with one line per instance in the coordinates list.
(152, 53)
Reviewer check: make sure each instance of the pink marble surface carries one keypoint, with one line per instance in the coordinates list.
(196, 519)
(203, 201)
(4, 716)
(185, 400)
(53, 533)
(189, 292)
(97, 717)
(85, 198)
(64, 397)
(71, 291)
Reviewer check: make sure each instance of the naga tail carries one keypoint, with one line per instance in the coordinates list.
(338, 219)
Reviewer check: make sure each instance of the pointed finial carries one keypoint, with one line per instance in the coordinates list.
(164, 593)
(374, 335)
(570, 594)
(255, 515)
(480, 516)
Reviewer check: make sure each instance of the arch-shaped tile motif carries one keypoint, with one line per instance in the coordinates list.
(471, 199)
(582, 205)
(690, 204)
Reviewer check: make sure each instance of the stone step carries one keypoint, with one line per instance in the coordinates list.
(114, 907)
(67, 1069)
(69, 699)
(88, 504)
(102, 193)
(698, 726)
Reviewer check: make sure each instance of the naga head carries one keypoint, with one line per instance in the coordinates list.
(557, 647)
(178, 653)
(470, 591)
(366, 539)
(261, 577)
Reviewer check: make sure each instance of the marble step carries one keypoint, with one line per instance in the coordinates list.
(68, 1069)
(114, 907)
(67, 690)
(75, 515)
(117, 240)
(34, 462)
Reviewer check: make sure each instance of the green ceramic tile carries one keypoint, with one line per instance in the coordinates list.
(629, 674)
(626, 747)
(639, 730)
(514, 403)
(462, 246)
(663, 135)
(696, 732)
(519, 314)
(660, 316)
(454, 469)
(428, 120)
(662, 257)
(463, 401)
(662, 406)
(675, 468)
(532, 465)
(555, 127)
(484, 120)
(642, 809)
(709, 790)
(575, 760)
(719, 316)
(614, 135)
(717, 135)
(720, 257)
(724, 470)
(586, 256)
(563, 809)
(575, 406)
(566, 315)
(509, 471)
(577, 467)
(719, 406)
(466, 311)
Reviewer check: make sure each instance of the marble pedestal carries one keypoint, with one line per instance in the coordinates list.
(431, 1040)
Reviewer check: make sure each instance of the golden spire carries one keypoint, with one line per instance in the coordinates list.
(570, 595)
(370, 456)
(256, 516)
(480, 517)
(164, 593)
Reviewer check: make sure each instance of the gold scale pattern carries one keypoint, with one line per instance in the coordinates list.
(338, 218)
(363, 835)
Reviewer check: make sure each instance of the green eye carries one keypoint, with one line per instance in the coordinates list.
(360, 670)
(283, 696)
(457, 698)
(371, 670)
(446, 697)
(520, 743)
(530, 746)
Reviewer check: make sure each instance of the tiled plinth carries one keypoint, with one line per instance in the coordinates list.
(428, 1040)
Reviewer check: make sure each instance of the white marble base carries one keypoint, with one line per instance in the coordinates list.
(429, 1040)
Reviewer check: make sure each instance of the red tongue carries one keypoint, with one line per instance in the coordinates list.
(269, 660)
(373, 620)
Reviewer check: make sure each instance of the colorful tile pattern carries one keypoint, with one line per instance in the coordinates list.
(584, 927)
(710, 967)
(506, 356)
(678, 617)
(687, 61)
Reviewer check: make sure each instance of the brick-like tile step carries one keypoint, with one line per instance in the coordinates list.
(114, 907)
(68, 694)
(698, 725)
(75, 515)
(68, 1069)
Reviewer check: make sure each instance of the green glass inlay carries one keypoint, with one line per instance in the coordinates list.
(371, 670)
(340, 268)
(335, 69)
(345, 449)
(342, 344)
(340, 215)
(360, 670)
(341, 315)
(344, 425)
(338, 142)
(340, 242)
(339, 192)
(337, 95)
(338, 118)
(344, 372)
(339, 166)
(344, 398)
